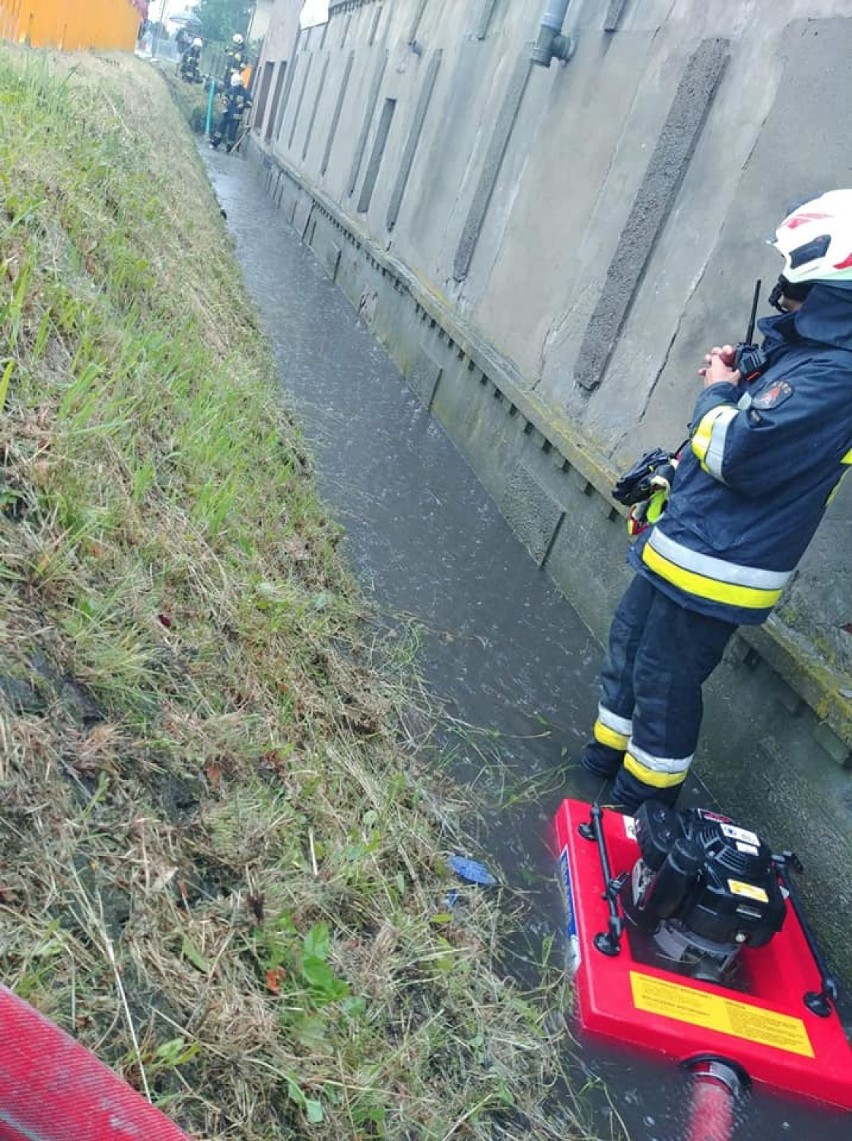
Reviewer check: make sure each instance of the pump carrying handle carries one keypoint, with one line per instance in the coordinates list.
(819, 1002)
(607, 942)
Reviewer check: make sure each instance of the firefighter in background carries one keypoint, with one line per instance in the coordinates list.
(237, 102)
(182, 40)
(235, 58)
(189, 69)
(762, 462)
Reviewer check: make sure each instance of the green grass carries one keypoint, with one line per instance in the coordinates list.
(191, 98)
(223, 868)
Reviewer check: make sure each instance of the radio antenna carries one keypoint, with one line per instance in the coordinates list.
(754, 301)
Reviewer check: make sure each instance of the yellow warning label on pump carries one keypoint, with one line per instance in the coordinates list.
(748, 889)
(727, 1015)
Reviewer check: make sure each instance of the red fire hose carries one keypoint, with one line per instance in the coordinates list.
(716, 1085)
(53, 1089)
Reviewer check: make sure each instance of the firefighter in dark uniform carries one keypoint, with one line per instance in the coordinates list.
(763, 460)
(237, 102)
(189, 69)
(235, 58)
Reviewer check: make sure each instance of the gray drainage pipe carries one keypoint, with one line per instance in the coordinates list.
(551, 44)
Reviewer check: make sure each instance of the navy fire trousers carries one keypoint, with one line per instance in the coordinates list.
(658, 657)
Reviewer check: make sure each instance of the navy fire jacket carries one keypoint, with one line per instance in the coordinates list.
(762, 464)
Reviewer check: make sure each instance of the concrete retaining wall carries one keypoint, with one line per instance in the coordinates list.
(548, 253)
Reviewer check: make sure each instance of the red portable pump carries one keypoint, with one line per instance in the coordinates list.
(687, 938)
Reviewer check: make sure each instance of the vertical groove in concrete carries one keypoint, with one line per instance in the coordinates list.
(651, 207)
(413, 138)
(259, 112)
(485, 18)
(299, 101)
(338, 107)
(372, 99)
(309, 217)
(491, 167)
(552, 543)
(288, 86)
(613, 14)
(377, 15)
(415, 23)
(379, 143)
(276, 98)
(320, 89)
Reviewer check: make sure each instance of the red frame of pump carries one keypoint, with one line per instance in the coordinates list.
(53, 1089)
(766, 1029)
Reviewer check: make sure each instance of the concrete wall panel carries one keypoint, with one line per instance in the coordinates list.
(542, 267)
(530, 201)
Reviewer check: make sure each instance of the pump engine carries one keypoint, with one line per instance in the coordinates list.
(702, 889)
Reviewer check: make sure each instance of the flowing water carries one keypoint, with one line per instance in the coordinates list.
(498, 644)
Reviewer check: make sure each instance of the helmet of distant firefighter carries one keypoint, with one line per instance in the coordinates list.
(237, 40)
(236, 80)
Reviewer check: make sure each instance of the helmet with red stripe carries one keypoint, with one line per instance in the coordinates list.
(815, 240)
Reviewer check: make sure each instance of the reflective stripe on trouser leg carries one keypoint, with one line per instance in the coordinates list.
(612, 730)
(658, 772)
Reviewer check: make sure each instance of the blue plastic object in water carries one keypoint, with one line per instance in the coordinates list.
(472, 871)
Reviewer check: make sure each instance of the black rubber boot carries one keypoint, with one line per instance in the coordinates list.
(601, 759)
(628, 792)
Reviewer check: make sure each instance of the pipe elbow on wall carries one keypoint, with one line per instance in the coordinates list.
(551, 43)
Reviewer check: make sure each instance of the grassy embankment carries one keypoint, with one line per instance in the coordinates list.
(220, 869)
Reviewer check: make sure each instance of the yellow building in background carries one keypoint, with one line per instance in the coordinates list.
(70, 25)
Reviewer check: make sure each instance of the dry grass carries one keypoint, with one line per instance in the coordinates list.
(221, 869)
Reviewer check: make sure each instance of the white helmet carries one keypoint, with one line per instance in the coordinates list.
(196, 43)
(236, 80)
(815, 240)
(238, 39)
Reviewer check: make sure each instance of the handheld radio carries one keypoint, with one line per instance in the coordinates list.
(748, 358)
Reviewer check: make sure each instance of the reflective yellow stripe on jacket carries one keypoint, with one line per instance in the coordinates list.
(717, 580)
(708, 440)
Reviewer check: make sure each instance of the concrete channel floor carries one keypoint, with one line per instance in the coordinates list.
(511, 664)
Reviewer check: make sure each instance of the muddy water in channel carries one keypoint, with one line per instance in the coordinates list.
(499, 644)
